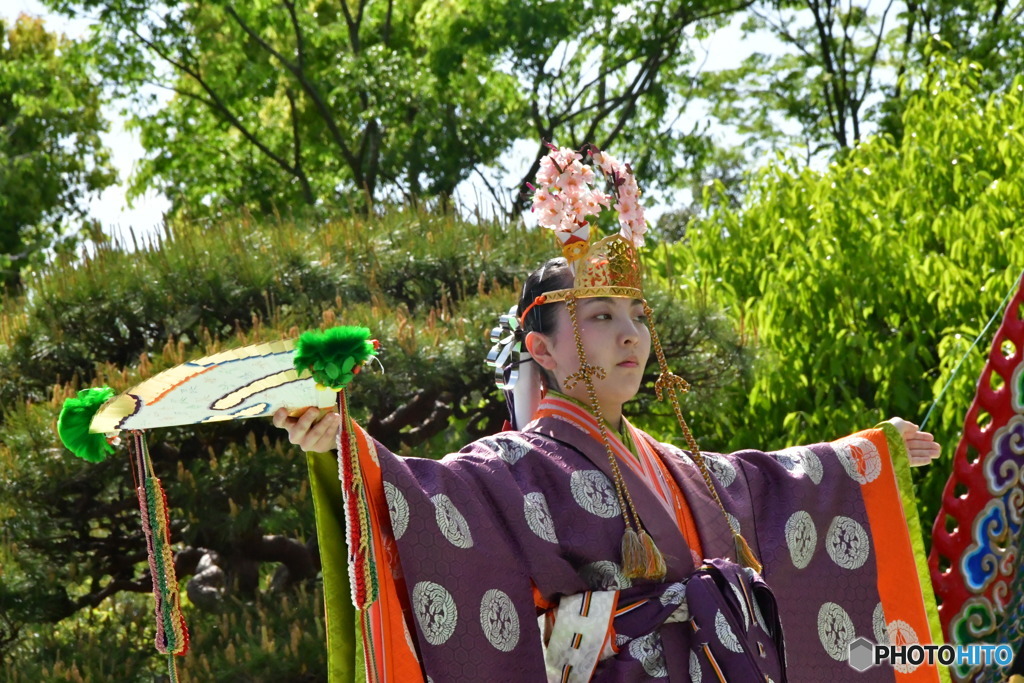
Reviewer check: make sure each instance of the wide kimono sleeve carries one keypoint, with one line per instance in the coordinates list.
(836, 527)
(344, 647)
(437, 576)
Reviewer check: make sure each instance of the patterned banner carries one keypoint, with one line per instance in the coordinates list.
(976, 541)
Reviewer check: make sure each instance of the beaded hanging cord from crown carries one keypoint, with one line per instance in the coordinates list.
(564, 198)
(670, 383)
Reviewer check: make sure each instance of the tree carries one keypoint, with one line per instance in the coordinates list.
(986, 32)
(865, 284)
(614, 74)
(842, 67)
(51, 155)
(284, 104)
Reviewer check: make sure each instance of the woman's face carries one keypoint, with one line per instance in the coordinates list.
(615, 337)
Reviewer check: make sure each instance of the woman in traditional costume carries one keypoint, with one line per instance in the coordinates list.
(576, 547)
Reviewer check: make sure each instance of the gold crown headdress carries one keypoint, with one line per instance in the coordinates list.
(565, 195)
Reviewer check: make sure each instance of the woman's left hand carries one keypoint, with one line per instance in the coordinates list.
(921, 446)
(310, 431)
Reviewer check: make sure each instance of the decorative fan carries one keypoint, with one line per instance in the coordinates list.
(252, 381)
(976, 563)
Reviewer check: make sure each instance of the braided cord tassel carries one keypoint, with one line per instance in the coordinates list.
(669, 383)
(640, 556)
(171, 631)
(362, 569)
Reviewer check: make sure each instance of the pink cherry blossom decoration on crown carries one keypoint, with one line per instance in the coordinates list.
(565, 194)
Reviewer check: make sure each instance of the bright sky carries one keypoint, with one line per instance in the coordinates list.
(145, 215)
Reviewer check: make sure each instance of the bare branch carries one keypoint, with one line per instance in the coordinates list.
(307, 191)
(218, 104)
(116, 586)
(300, 45)
(353, 26)
(874, 54)
(386, 33)
(498, 195)
(311, 90)
(832, 95)
(782, 30)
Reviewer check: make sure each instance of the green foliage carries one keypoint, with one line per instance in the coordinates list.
(839, 71)
(865, 284)
(281, 106)
(271, 638)
(51, 156)
(294, 107)
(985, 32)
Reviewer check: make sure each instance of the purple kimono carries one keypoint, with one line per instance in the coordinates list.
(480, 543)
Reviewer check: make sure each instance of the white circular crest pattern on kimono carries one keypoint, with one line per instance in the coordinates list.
(594, 493)
(681, 454)
(860, 459)
(835, 629)
(604, 575)
(723, 470)
(725, 634)
(879, 626)
(743, 605)
(398, 509)
(902, 633)
(538, 516)
(847, 543)
(499, 620)
(435, 611)
(451, 522)
(801, 460)
(801, 538)
(674, 594)
(695, 673)
(509, 448)
(648, 651)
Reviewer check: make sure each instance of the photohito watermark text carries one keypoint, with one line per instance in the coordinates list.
(864, 654)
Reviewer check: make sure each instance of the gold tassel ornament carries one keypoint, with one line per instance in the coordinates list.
(670, 383)
(744, 554)
(654, 560)
(634, 564)
(641, 558)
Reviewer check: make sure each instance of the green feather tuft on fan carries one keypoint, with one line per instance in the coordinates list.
(74, 420)
(333, 356)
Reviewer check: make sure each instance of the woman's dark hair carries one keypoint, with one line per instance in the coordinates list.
(554, 274)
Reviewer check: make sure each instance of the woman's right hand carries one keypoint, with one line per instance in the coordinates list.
(921, 446)
(309, 431)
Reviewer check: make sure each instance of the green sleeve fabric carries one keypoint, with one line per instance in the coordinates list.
(344, 646)
(905, 484)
